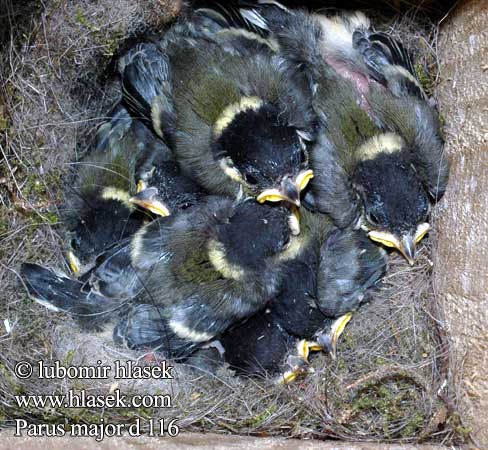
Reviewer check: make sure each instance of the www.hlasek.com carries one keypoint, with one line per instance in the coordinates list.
(83, 399)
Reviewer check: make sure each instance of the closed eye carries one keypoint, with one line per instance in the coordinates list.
(372, 218)
(250, 179)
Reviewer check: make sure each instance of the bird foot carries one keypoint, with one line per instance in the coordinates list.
(298, 367)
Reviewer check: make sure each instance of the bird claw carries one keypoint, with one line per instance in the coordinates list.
(298, 366)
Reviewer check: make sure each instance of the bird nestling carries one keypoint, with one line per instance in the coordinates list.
(197, 271)
(237, 125)
(379, 150)
(98, 211)
(159, 172)
(321, 288)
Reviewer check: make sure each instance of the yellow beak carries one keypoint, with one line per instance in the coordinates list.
(289, 190)
(406, 245)
(147, 199)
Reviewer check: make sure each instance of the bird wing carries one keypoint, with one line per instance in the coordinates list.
(419, 125)
(349, 264)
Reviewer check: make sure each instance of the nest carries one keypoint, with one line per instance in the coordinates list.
(388, 382)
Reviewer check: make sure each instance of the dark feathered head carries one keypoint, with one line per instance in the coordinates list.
(102, 219)
(260, 151)
(396, 203)
(246, 237)
(164, 189)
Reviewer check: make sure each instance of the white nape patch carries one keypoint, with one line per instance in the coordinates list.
(382, 143)
(337, 32)
(46, 304)
(111, 193)
(137, 245)
(218, 259)
(184, 332)
(227, 116)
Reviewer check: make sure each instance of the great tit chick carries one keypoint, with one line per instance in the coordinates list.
(98, 212)
(202, 269)
(238, 126)
(378, 141)
(327, 281)
(160, 178)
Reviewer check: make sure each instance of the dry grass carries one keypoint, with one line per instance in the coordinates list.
(388, 382)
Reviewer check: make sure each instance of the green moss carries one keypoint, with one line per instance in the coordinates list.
(34, 186)
(113, 43)
(82, 20)
(389, 409)
(413, 425)
(259, 419)
(45, 218)
(426, 80)
(68, 359)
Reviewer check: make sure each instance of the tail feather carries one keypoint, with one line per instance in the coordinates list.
(146, 86)
(58, 292)
(388, 62)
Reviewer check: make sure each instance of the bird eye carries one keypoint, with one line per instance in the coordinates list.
(303, 157)
(250, 179)
(372, 218)
(75, 244)
(286, 243)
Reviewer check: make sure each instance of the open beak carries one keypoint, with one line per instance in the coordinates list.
(289, 191)
(147, 199)
(407, 244)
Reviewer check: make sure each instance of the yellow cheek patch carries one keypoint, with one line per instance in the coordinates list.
(230, 171)
(228, 114)
(218, 259)
(303, 179)
(422, 230)
(111, 193)
(74, 262)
